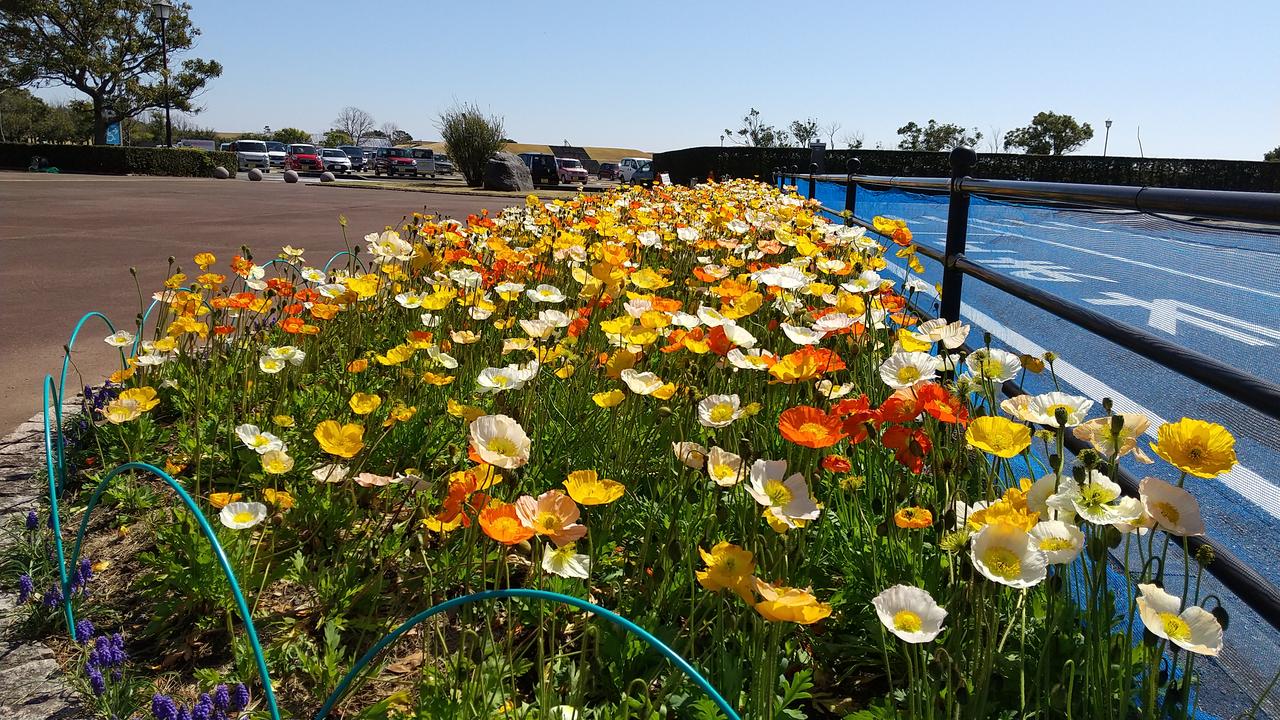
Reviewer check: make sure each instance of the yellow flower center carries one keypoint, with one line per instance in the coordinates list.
(907, 621)
(547, 522)
(812, 428)
(722, 412)
(779, 495)
(908, 374)
(1175, 627)
(990, 367)
(502, 446)
(1002, 562)
(1054, 544)
(243, 517)
(1195, 453)
(1168, 511)
(1052, 411)
(1094, 496)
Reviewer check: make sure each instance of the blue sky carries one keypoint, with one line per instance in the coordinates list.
(1201, 79)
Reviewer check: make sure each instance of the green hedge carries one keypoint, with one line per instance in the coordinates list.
(697, 163)
(114, 160)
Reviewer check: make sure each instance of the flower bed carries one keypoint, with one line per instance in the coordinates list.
(701, 409)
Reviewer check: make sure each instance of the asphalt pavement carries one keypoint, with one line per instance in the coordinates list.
(67, 243)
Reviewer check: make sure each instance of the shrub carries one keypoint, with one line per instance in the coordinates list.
(472, 138)
(109, 159)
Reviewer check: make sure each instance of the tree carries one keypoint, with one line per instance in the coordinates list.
(26, 118)
(804, 131)
(853, 140)
(754, 132)
(1049, 134)
(471, 138)
(355, 122)
(936, 137)
(291, 135)
(334, 138)
(400, 137)
(1273, 156)
(830, 130)
(107, 49)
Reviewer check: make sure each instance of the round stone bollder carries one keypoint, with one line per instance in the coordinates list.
(221, 173)
(290, 176)
(327, 177)
(255, 174)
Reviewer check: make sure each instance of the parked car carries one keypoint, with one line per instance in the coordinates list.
(608, 171)
(277, 152)
(628, 166)
(571, 171)
(251, 154)
(224, 147)
(394, 161)
(425, 160)
(643, 174)
(444, 165)
(356, 156)
(303, 158)
(543, 168)
(335, 161)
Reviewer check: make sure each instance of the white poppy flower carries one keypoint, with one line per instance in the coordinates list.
(724, 467)
(545, 294)
(1043, 409)
(909, 613)
(905, 369)
(242, 515)
(690, 454)
(641, 383)
(1004, 554)
(867, 281)
(500, 441)
(1194, 629)
(802, 335)
(119, 338)
(331, 473)
(1060, 542)
(257, 440)
(786, 277)
(719, 411)
(1174, 509)
(993, 364)
(786, 500)
(564, 562)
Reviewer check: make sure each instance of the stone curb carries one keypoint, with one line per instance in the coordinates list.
(32, 687)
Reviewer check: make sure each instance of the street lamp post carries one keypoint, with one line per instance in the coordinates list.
(162, 9)
(1106, 138)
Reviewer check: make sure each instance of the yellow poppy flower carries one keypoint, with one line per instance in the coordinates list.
(609, 398)
(1196, 447)
(364, 403)
(341, 440)
(586, 488)
(999, 436)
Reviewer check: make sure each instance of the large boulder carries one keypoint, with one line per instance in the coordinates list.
(290, 176)
(505, 171)
(221, 173)
(327, 176)
(255, 175)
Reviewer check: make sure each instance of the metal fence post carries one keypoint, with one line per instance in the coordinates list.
(813, 171)
(962, 161)
(851, 189)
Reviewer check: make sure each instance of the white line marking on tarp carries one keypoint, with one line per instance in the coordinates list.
(1245, 482)
(1161, 268)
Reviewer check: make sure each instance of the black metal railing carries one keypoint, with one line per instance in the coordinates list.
(1249, 390)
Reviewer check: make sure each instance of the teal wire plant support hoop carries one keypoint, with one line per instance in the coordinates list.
(55, 465)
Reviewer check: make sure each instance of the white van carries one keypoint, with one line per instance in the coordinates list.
(425, 160)
(251, 154)
(628, 167)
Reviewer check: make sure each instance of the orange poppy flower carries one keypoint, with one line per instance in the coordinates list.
(719, 342)
(810, 427)
(292, 325)
(942, 405)
(913, 518)
(501, 523)
(836, 464)
(910, 446)
(806, 363)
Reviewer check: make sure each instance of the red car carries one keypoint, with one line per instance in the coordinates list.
(303, 158)
(394, 161)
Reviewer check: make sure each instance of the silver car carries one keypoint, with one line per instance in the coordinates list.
(251, 154)
(335, 161)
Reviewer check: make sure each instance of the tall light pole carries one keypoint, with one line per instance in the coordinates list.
(1106, 138)
(162, 9)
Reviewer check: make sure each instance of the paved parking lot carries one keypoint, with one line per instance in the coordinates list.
(67, 243)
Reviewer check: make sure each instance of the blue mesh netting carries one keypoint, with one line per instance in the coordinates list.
(1211, 286)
